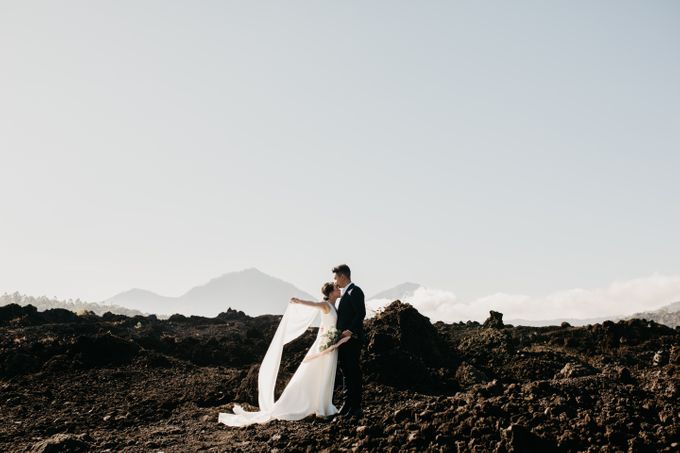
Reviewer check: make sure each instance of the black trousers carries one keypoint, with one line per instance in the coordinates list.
(349, 355)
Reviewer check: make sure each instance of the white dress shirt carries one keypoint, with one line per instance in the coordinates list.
(344, 290)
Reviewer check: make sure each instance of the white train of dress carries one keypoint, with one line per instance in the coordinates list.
(310, 390)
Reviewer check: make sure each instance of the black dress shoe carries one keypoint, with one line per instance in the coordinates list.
(355, 412)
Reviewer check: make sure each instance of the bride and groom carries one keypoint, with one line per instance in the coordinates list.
(338, 341)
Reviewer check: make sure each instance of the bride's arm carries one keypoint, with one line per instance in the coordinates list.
(320, 305)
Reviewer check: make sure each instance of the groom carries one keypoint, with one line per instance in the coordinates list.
(351, 314)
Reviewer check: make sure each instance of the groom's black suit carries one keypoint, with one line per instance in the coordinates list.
(351, 314)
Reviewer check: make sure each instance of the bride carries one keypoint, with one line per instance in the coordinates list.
(310, 390)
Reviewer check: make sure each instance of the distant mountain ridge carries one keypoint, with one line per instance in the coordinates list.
(257, 293)
(397, 292)
(249, 290)
(668, 315)
(43, 303)
(558, 321)
(403, 291)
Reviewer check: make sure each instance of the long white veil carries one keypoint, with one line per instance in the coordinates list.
(295, 321)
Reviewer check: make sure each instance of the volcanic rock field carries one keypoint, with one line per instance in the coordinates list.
(114, 383)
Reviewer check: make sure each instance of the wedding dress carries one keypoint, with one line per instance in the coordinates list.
(310, 390)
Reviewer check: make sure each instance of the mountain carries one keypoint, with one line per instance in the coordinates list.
(250, 291)
(401, 292)
(558, 321)
(668, 315)
(398, 292)
(145, 301)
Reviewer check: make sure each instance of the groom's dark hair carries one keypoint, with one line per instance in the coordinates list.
(343, 269)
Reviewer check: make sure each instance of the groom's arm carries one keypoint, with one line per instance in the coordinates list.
(357, 301)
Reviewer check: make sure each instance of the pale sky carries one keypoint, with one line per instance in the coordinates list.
(473, 147)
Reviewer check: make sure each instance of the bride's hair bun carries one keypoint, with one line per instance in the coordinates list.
(327, 289)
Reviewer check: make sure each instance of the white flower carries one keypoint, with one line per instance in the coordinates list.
(329, 338)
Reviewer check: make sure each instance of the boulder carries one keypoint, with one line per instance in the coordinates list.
(494, 321)
(406, 351)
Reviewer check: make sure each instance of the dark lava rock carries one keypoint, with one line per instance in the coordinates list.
(232, 314)
(624, 375)
(247, 389)
(660, 358)
(494, 321)
(177, 318)
(59, 315)
(16, 315)
(13, 311)
(22, 316)
(404, 350)
(14, 363)
(104, 349)
(674, 356)
(409, 331)
(468, 375)
(572, 370)
(487, 349)
(112, 317)
(518, 438)
(62, 443)
(140, 383)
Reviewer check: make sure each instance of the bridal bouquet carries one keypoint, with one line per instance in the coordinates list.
(329, 338)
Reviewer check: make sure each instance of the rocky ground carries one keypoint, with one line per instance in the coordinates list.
(115, 383)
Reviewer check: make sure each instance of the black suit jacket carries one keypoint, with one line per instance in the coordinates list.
(352, 311)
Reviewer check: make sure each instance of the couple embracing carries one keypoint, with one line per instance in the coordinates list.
(338, 341)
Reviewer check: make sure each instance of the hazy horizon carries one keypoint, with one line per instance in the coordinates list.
(620, 298)
(519, 154)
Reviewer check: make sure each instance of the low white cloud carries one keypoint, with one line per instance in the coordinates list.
(619, 298)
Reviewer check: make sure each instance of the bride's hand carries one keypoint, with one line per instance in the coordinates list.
(294, 300)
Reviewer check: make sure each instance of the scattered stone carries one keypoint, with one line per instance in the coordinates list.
(572, 370)
(660, 358)
(62, 443)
